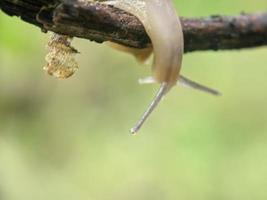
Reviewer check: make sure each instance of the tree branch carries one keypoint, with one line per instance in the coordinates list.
(98, 22)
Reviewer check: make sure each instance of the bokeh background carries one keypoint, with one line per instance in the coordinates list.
(70, 139)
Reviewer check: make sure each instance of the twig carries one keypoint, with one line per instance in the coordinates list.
(98, 22)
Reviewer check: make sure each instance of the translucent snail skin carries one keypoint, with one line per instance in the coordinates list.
(164, 28)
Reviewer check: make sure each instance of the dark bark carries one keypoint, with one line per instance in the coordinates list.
(101, 23)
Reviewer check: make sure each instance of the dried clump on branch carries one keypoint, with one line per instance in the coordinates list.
(60, 59)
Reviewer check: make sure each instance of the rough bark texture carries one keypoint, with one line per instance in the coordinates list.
(101, 23)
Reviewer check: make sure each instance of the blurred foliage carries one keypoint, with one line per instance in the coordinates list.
(69, 139)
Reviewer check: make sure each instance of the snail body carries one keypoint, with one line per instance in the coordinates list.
(163, 26)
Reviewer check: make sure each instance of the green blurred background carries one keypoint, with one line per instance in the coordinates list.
(70, 139)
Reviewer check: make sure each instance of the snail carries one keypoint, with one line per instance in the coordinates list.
(164, 28)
